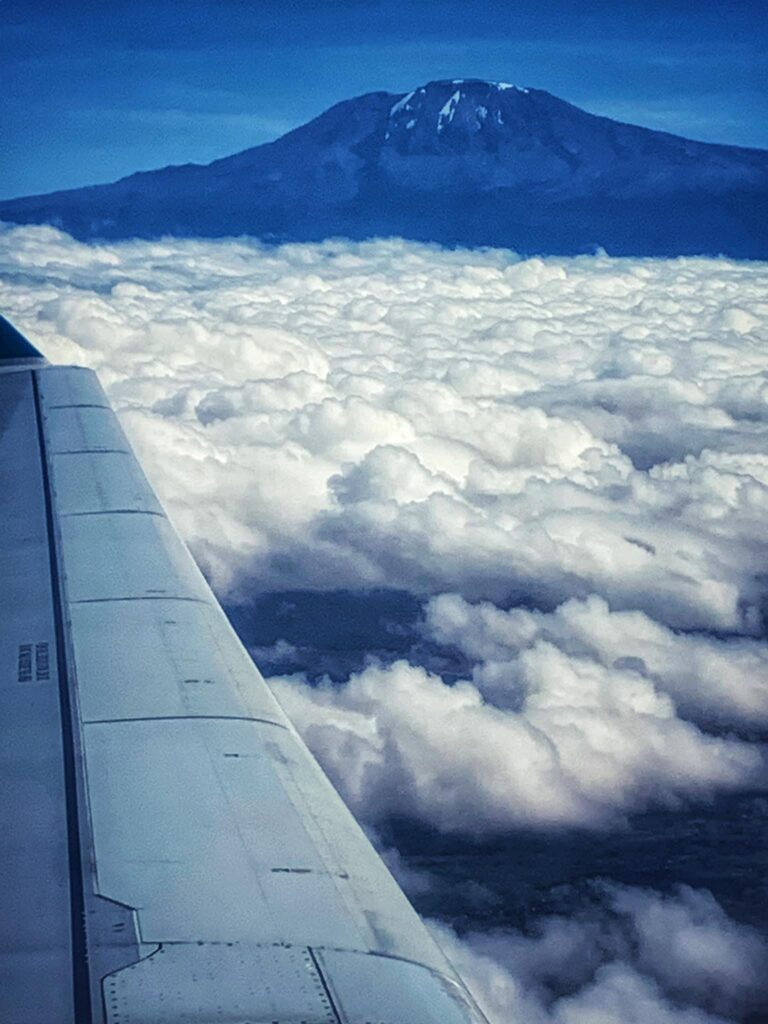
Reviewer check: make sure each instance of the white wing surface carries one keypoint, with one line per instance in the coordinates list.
(171, 852)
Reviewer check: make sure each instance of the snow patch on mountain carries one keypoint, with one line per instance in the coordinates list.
(448, 110)
(503, 86)
(402, 104)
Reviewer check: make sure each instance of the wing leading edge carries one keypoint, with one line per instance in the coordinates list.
(176, 854)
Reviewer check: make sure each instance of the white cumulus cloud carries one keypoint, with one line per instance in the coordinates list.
(582, 441)
(710, 679)
(392, 414)
(584, 746)
(632, 956)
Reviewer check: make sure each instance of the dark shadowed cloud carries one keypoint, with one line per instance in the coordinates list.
(628, 956)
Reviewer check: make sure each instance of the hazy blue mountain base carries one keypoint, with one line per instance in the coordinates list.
(460, 163)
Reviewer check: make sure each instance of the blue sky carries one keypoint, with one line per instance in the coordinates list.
(95, 90)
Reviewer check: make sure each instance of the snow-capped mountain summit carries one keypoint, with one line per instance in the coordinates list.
(497, 135)
(475, 113)
(460, 161)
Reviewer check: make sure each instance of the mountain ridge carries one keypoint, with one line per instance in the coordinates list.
(457, 162)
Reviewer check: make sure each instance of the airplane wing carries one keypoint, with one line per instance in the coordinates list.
(170, 853)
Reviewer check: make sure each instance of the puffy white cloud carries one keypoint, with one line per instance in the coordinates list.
(712, 680)
(579, 745)
(392, 414)
(634, 956)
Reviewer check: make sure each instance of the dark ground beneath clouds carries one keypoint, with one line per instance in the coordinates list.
(495, 529)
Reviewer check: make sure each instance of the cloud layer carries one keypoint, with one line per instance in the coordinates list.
(392, 414)
(583, 441)
(566, 460)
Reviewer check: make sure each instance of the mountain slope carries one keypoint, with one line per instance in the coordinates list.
(461, 162)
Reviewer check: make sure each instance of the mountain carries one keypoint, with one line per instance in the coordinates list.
(461, 162)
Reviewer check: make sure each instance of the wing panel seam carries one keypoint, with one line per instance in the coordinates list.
(184, 718)
(114, 512)
(141, 597)
(324, 983)
(79, 405)
(92, 451)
